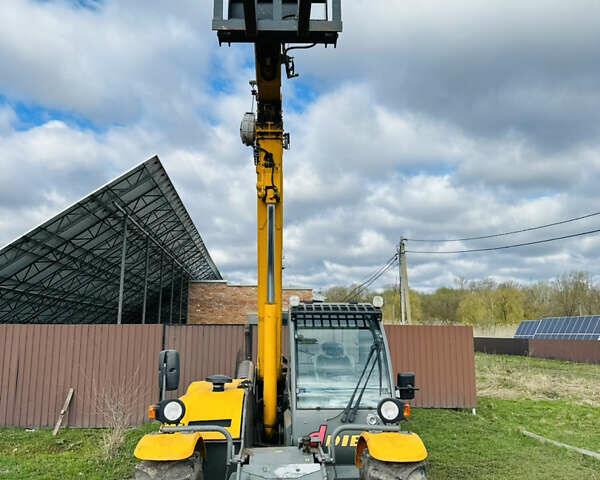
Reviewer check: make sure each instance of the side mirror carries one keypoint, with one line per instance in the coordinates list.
(168, 371)
(406, 385)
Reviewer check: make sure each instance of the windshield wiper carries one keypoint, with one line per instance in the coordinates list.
(352, 414)
(350, 410)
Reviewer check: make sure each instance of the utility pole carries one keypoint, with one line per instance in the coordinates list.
(401, 284)
(405, 281)
(404, 290)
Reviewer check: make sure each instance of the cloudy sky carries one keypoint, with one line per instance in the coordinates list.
(430, 120)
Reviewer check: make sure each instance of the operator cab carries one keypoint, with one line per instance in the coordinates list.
(330, 362)
(340, 371)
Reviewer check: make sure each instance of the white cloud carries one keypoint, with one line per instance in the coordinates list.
(114, 64)
(428, 121)
(491, 67)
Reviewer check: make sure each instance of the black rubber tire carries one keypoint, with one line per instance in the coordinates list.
(189, 469)
(372, 469)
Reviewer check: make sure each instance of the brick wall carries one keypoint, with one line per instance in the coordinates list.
(219, 302)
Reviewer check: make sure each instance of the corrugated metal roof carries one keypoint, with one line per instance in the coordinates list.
(67, 270)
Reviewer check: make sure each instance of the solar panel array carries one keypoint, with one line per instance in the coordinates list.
(527, 329)
(561, 328)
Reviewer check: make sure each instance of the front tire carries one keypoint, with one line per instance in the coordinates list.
(188, 469)
(372, 469)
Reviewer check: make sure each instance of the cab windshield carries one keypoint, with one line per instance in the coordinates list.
(329, 363)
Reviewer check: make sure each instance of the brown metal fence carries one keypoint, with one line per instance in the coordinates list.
(584, 351)
(443, 362)
(39, 363)
(204, 350)
(502, 346)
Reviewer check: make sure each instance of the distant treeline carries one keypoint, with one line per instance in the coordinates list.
(486, 303)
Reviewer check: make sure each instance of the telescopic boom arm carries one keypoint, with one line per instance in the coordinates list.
(269, 25)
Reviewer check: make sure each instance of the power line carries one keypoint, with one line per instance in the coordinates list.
(589, 232)
(356, 291)
(366, 286)
(505, 233)
(374, 276)
(391, 259)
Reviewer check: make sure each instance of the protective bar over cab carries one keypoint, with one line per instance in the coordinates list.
(285, 21)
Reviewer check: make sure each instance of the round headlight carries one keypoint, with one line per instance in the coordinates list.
(390, 410)
(378, 301)
(172, 411)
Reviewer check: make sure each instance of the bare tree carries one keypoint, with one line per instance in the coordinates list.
(572, 293)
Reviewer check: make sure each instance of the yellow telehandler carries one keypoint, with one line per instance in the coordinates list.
(333, 410)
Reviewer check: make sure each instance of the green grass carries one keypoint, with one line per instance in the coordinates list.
(73, 454)
(558, 400)
(512, 378)
(555, 399)
(490, 445)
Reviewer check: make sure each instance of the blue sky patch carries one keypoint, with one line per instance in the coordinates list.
(31, 116)
(301, 94)
(93, 5)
